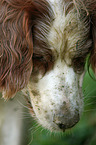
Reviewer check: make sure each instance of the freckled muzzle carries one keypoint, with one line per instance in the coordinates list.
(58, 104)
(57, 116)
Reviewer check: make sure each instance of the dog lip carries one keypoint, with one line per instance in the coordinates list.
(62, 127)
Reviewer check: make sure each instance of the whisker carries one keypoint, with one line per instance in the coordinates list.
(89, 98)
(91, 103)
(89, 93)
(90, 110)
(25, 106)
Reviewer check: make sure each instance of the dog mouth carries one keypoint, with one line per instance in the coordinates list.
(64, 127)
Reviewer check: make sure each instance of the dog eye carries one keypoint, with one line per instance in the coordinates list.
(42, 63)
(78, 64)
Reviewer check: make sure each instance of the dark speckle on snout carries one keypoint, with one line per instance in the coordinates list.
(64, 103)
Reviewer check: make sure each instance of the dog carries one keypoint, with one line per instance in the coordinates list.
(43, 49)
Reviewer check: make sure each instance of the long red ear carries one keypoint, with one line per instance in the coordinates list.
(16, 46)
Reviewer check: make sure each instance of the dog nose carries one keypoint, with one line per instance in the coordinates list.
(66, 122)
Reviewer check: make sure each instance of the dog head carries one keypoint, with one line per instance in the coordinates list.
(44, 45)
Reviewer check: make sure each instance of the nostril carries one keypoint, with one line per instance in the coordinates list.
(62, 126)
(65, 122)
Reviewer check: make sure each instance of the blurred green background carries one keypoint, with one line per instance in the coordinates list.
(84, 133)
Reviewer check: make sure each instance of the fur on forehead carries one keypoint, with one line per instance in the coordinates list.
(70, 35)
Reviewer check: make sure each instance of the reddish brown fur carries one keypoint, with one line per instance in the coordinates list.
(86, 8)
(17, 17)
(91, 7)
(93, 53)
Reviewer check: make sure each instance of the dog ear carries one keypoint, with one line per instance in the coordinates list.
(17, 18)
(93, 53)
(90, 7)
(92, 11)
